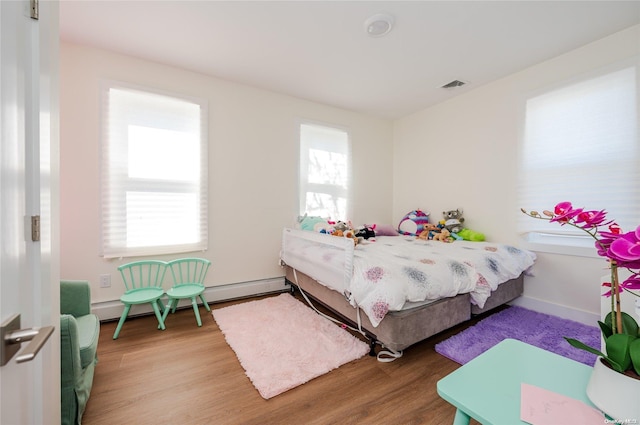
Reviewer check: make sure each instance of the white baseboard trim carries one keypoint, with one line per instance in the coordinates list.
(565, 312)
(112, 310)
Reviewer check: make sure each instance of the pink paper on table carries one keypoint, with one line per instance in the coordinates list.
(543, 407)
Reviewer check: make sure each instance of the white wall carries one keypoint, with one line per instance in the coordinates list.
(460, 153)
(252, 166)
(467, 152)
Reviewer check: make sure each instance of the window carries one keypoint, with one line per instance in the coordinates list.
(324, 171)
(581, 145)
(154, 173)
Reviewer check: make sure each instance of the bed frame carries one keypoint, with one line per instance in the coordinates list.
(400, 329)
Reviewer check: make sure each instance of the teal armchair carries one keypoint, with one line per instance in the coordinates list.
(79, 332)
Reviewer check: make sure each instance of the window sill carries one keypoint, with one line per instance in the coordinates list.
(578, 246)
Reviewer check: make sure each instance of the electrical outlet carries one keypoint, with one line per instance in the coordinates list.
(105, 281)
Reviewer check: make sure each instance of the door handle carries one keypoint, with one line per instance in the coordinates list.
(12, 336)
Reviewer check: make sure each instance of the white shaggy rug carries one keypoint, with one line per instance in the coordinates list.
(281, 343)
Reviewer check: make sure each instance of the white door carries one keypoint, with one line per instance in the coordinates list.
(29, 270)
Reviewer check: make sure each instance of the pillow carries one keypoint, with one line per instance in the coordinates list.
(384, 230)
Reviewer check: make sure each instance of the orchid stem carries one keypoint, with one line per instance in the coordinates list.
(616, 293)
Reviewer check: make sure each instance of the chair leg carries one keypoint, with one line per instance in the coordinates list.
(167, 309)
(160, 305)
(156, 310)
(165, 312)
(196, 311)
(174, 305)
(206, 305)
(127, 307)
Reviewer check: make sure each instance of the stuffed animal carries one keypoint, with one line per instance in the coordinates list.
(350, 234)
(453, 220)
(429, 231)
(366, 232)
(471, 235)
(343, 230)
(335, 228)
(313, 223)
(413, 223)
(443, 236)
(340, 225)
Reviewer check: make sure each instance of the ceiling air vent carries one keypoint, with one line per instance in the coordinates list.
(453, 84)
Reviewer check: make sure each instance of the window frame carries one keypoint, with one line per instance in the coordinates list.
(555, 240)
(115, 183)
(303, 186)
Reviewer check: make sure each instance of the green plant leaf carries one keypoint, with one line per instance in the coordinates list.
(634, 352)
(575, 343)
(582, 346)
(606, 329)
(629, 325)
(618, 350)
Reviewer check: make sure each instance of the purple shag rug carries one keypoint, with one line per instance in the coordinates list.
(538, 329)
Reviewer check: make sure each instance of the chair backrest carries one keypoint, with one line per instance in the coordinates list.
(75, 297)
(189, 270)
(143, 274)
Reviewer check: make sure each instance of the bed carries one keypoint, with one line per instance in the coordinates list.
(399, 290)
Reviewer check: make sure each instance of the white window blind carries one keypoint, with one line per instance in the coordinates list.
(154, 173)
(324, 171)
(581, 145)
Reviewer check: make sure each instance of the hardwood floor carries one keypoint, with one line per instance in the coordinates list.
(189, 375)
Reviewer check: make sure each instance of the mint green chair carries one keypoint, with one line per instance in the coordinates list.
(143, 284)
(188, 283)
(79, 334)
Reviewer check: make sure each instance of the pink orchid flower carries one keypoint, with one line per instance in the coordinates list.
(564, 212)
(591, 219)
(625, 249)
(633, 283)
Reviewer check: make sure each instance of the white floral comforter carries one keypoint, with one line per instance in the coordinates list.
(394, 270)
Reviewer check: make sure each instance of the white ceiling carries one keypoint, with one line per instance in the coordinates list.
(319, 50)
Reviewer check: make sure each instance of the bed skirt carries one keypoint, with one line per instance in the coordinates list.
(400, 329)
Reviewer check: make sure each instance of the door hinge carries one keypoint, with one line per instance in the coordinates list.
(35, 228)
(35, 9)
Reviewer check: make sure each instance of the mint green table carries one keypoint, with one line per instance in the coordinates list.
(488, 387)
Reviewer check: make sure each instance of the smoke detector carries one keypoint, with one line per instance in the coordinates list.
(379, 25)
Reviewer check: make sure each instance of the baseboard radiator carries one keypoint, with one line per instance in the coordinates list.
(111, 310)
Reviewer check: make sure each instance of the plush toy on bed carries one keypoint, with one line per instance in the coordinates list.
(313, 223)
(351, 234)
(453, 222)
(335, 228)
(471, 235)
(413, 223)
(430, 230)
(366, 232)
(444, 236)
(341, 229)
(340, 226)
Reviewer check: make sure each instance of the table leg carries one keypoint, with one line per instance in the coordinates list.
(461, 418)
